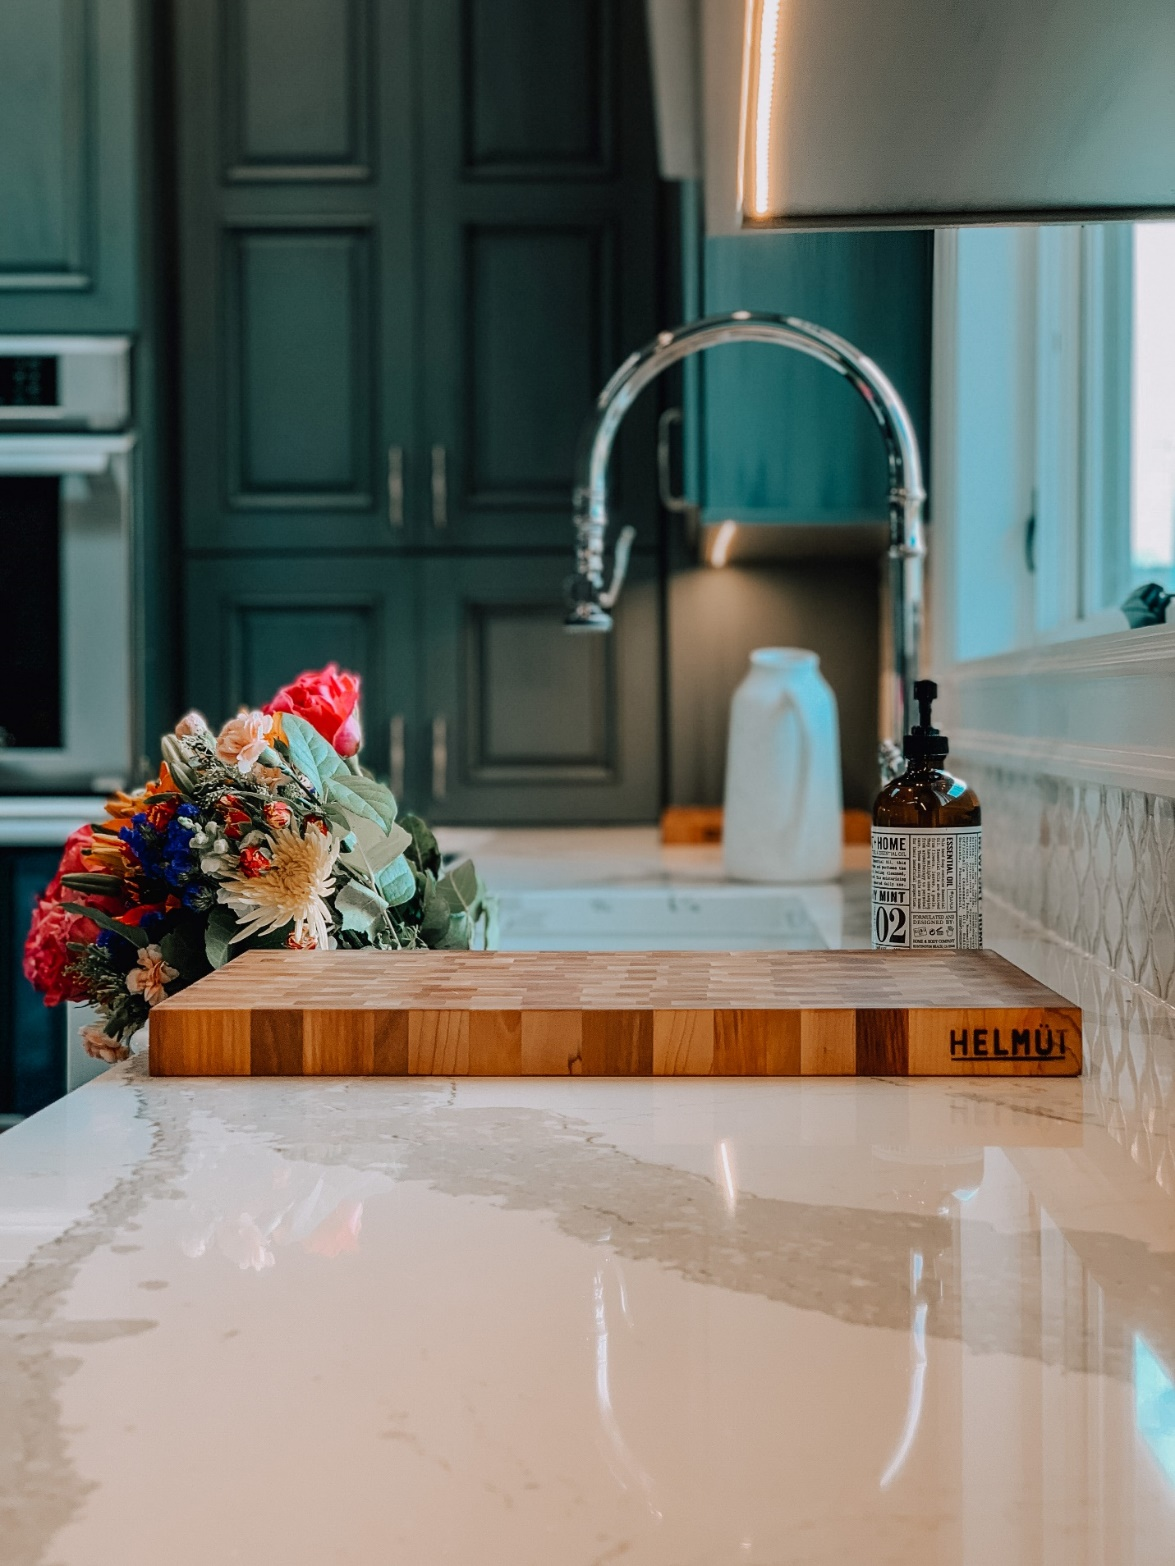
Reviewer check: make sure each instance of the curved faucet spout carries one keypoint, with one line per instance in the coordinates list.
(589, 598)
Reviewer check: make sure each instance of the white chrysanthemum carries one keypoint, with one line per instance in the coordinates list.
(293, 889)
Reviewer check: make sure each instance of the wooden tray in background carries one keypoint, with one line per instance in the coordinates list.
(366, 1013)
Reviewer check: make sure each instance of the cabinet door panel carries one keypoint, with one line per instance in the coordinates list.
(540, 243)
(529, 722)
(299, 393)
(538, 87)
(297, 89)
(69, 96)
(254, 626)
(296, 272)
(519, 281)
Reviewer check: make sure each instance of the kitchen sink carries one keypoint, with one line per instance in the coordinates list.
(672, 918)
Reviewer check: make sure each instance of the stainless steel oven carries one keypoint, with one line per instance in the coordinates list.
(68, 462)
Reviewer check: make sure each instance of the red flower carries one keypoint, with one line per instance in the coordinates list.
(46, 954)
(228, 808)
(254, 861)
(277, 813)
(136, 915)
(72, 863)
(160, 814)
(328, 699)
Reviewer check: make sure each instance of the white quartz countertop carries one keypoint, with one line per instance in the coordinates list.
(569, 1323)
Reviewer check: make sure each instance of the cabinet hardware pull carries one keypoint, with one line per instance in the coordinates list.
(440, 756)
(395, 486)
(671, 502)
(440, 487)
(396, 755)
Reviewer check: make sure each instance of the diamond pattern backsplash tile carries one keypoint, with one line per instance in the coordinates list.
(1092, 864)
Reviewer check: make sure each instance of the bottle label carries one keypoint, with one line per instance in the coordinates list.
(927, 888)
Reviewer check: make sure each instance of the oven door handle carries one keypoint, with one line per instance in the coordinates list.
(53, 456)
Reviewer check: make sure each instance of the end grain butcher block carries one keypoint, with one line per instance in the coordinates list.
(368, 1013)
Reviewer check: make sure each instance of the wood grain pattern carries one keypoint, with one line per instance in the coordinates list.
(552, 1043)
(617, 1014)
(828, 1043)
(683, 1043)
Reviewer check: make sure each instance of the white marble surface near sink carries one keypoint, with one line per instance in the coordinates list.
(575, 1322)
(620, 888)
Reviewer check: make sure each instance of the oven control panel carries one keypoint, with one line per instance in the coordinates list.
(28, 381)
(65, 383)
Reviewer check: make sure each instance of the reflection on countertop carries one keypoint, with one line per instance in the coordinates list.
(607, 888)
(674, 1323)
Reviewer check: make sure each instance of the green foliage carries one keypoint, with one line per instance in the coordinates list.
(129, 932)
(218, 933)
(424, 853)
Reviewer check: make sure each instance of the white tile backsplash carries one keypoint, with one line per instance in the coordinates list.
(1093, 864)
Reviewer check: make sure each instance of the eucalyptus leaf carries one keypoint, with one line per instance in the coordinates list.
(308, 752)
(218, 934)
(360, 908)
(459, 935)
(434, 920)
(397, 882)
(360, 796)
(463, 888)
(424, 845)
(376, 846)
(133, 933)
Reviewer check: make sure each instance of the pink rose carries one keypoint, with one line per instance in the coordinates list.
(328, 699)
(192, 724)
(243, 738)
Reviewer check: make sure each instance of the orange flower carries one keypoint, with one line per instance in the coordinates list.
(151, 976)
(122, 806)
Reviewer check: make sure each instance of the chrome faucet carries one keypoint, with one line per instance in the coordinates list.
(590, 600)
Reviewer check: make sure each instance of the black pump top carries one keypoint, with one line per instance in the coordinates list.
(924, 742)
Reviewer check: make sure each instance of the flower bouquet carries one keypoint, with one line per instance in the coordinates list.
(266, 834)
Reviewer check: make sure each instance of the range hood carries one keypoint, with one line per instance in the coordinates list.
(909, 113)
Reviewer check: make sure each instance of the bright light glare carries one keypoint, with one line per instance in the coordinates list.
(764, 94)
(720, 549)
(726, 1177)
(1152, 420)
(1154, 1407)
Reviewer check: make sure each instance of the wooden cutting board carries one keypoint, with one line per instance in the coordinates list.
(365, 1013)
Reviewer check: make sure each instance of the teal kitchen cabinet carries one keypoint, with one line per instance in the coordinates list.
(296, 272)
(70, 178)
(539, 233)
(774, 437)
(254, 624)
(477, 704)
(415, 240)
(32, 1035)
(523, 722)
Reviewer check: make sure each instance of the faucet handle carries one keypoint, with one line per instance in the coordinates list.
(620, 557)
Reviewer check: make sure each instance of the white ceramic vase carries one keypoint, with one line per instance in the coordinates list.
(783, 812)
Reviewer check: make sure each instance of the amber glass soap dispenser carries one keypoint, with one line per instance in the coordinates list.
(927, 871)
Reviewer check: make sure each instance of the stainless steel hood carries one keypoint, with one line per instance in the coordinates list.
(902, 113)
